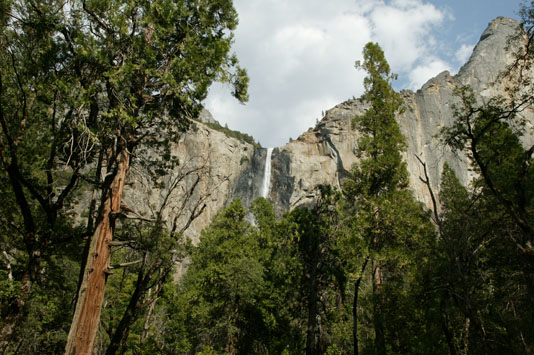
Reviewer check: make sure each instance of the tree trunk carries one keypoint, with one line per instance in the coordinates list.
(378, 320)
(311, 343)
(121, 333)
(449, 337)
(232, 337)
(355, 307)
(86, 317)
(146, 325)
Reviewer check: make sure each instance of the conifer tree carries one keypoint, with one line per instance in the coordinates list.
(380, 171)
(386, 218)
(84, 85)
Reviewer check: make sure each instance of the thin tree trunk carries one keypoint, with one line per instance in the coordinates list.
(121, 333)
(91, 293)
(311, 343)
(146, 325)
(378, 320)
(466, 335)
(449, 337)
(232, 338)
(355, 307)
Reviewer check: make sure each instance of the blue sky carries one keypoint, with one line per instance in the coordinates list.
(300, 54)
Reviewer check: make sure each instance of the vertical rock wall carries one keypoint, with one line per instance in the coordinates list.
(229, 168)
(325, 154)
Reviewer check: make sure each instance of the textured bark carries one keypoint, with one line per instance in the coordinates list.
(86, 317)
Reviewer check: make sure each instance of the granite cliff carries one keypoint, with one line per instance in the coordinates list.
(228, 167)
(324, 154)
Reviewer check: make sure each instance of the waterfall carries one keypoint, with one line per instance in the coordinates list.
(267, 174)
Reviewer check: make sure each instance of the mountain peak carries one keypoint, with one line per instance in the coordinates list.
(492, 53)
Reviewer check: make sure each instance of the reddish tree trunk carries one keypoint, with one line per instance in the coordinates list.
(86, 317)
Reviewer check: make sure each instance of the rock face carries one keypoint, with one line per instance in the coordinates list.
(210, 165)
(215, 168)
(325, 153)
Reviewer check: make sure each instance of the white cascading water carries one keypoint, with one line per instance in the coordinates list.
(267, 174)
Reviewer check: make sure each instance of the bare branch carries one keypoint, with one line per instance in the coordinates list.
(117, 266)
(426, 181)
(114, 243)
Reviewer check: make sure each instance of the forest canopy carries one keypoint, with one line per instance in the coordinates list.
(92, 90)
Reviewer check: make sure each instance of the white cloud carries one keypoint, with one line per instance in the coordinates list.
(300, 58)
(403, 29)
(423, 72)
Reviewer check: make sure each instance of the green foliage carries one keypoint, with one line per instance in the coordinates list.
(477, 272)
(322, 279)
(45, 326)
(224, 283)
(487, 231)
(380, 167)
(243, 137)
(244, 160)
(80, 83)
(387, 235)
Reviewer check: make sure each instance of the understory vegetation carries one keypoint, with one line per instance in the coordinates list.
(93, 90)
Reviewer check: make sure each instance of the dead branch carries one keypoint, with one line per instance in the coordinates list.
(426, 181)
(118, 266)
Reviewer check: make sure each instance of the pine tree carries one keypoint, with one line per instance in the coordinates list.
(386, 220)
(224, 284)
(322, 278)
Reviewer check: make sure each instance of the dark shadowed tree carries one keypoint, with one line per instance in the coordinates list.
(386, 222)
(85, 84)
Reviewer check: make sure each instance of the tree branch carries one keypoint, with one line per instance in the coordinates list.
(118, 266)
(426, 181)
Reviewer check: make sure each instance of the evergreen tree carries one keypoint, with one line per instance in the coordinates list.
(83, 85)
(224, 285)
(380, 171)
(493, 220)
(501, 201)
(39, 141)
(482, 301)
(387, 223)
(282, 304)
(322, 281)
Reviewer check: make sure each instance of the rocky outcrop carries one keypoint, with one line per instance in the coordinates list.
(325, 153)
(215, 168)
(210, 164)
